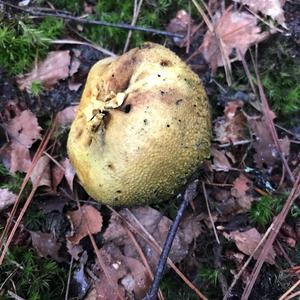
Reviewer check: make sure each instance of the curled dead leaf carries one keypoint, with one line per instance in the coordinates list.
(85, 220)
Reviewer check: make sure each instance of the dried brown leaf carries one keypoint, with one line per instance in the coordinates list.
(266, 151)
(46, 245)
(87, 219)
(158, 226)
(272, 8)
(180, 25)
(233, 33)
(40, 175)
(55, 67)
(7, 198)
(221, 162)
(240, 187)
(23, 130)
(66, 116)
(247, 241)
(232, 127)
(69, 172)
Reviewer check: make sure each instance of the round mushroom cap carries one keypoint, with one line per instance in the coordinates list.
(142, 127)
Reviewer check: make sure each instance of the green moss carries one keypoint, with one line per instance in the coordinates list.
(33, 40)
(282, 85)
(32, 277)
(153, 14)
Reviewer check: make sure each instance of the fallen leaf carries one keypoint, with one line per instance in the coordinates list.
(74, 250)
(266, 152)
(57, 175)
(221, 162)
(7, 198)
(180, 25)
(158, 226)
(46, 245)
(55, 67)
(23, 130)
(247, 241)
(69, 172)
(233, 33)
(272, 8)
(232, 127)
(40, 175)
(239, 190)
(66, 116)
(84, 220)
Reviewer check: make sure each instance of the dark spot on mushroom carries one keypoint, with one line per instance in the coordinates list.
(195, 105)
(119, 192)
(178, 101)
(162, 93)
(145, 121)
(112, 75)
(111, 166)
(179, 120)
(20, 130)
(158, 75)
(165, 63)
(168, 125)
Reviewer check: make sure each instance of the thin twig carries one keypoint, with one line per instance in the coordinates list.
(93, 22)
(209, 213)
(137, 9)
(283, 297)
(69, 279)
(74, 42)
(190, 194)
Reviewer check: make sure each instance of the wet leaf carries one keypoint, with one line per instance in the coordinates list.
(69, 172)
(87, 219)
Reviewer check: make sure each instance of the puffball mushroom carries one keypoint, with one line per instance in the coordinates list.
(142, 127)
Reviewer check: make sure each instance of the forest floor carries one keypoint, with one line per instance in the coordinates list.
(238, 239)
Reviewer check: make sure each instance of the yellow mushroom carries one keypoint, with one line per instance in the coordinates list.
(142, 128)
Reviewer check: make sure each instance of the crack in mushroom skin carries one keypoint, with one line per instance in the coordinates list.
(138, 132)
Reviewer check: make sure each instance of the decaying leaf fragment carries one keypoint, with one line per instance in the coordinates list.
(7, 198)
(23, 130)
(54, 68)
(247, 241)
(272, 8)
(233, 33)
